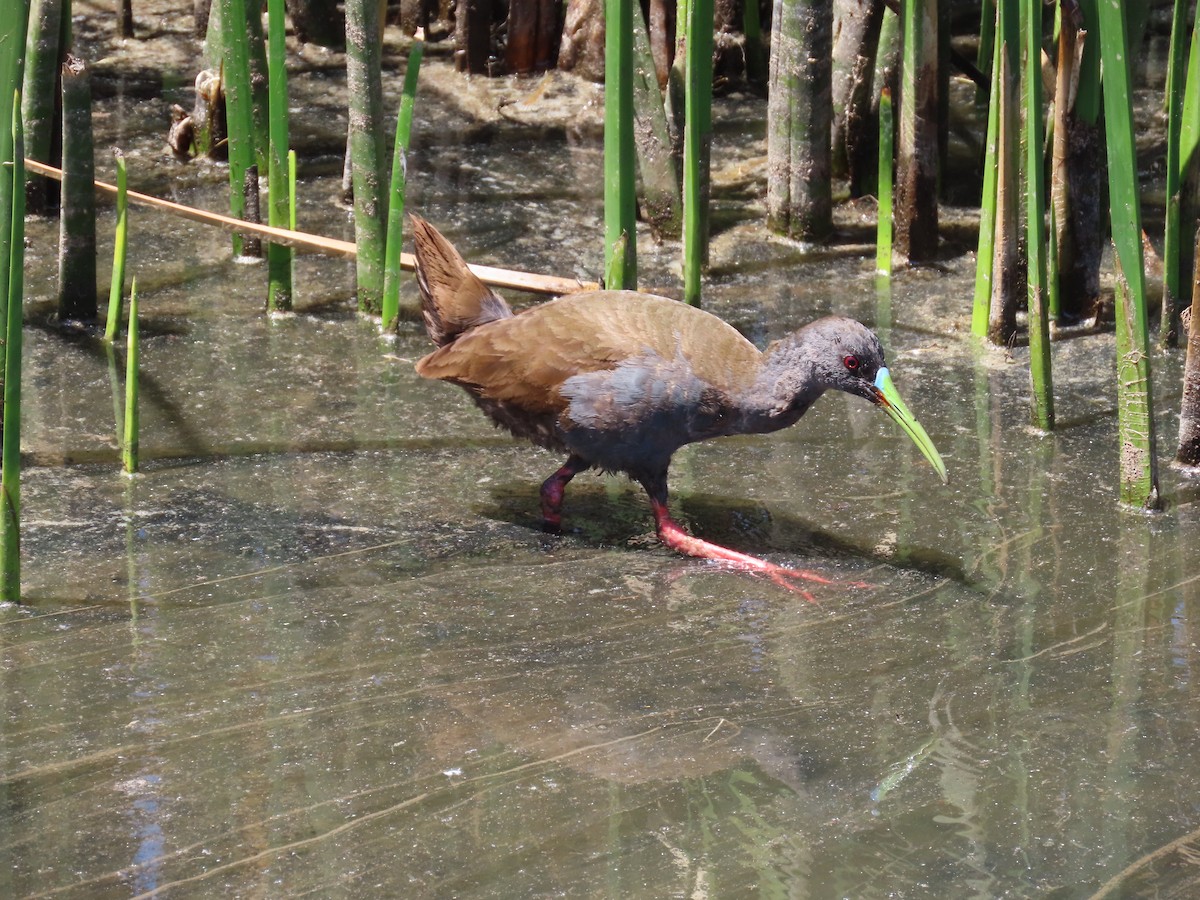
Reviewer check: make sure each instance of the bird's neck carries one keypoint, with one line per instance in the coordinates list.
(785, 388)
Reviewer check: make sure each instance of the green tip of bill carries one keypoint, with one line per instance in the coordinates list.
(894, 406)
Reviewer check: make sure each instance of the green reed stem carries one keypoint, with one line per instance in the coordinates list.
(986, 56)
(12, 242)
(697, 144)
(1135, 422)
(395, 227)
(1007, 259)
(116, 289)
(883, 226)
(1174, 239)
(1063, 42)
(48, 35)
(239, 107)
(985, 254)
(129, 445)
(620, 175)
(10, 444)
(615, 264)
(1188, 450)
(1035, 221)
(279, 197)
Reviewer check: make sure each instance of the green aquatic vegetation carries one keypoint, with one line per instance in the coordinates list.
(697, 144)
(883, 225)
(129, 441)
(1035, 221)
(395, 227)
(116, 288)
(12, 284)
(279, 198)
(985, 255)
(1138, 467)
(620, 177)
(239, 111)
(1183, 94)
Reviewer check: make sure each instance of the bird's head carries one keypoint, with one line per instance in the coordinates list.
(847, 356)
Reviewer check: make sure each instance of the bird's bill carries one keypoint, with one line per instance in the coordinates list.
(888, 397)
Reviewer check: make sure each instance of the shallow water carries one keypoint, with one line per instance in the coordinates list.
(320, 645)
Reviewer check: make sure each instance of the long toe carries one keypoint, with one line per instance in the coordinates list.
(673, 535)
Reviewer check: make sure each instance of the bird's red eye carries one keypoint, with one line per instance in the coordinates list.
(851, 363)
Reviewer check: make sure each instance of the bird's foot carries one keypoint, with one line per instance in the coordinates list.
(678, 539)
(791, 580)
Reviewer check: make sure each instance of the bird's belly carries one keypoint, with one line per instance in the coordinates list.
(540, 428)
(632, 419)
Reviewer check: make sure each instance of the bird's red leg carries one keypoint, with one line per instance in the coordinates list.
(678, 539)
(553, 489)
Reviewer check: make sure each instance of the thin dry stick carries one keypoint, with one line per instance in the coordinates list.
(507, 278)
(1114, 883)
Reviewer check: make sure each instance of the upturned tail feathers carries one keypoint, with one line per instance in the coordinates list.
(453, 299)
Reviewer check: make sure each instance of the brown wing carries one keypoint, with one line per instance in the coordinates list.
(524, 360)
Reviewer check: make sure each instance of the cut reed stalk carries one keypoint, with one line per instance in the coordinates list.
(916, 221)
(77, 221)
(799, 118)
(129, 442)
(395, 227)
(662, 202)
(367, 161)
(673, 100)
